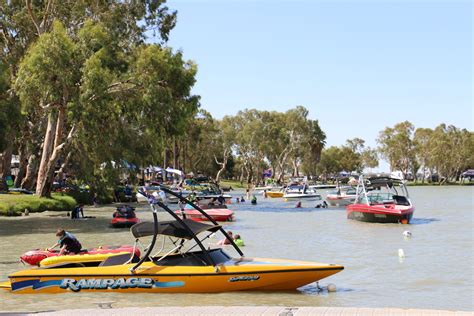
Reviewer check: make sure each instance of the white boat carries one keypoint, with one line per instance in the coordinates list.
(342, 196)
(298, 192)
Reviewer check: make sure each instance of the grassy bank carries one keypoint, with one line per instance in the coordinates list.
(233, 184)
(14, 205)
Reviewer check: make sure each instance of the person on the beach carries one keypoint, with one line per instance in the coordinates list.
(68, 243)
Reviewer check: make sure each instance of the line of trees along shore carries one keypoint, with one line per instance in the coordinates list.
(83, 93)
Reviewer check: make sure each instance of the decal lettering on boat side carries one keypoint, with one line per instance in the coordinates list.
(97, 284)
(244, 278)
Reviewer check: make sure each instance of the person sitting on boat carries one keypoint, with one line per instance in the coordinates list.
(242, 199)
(238, 240)
(68, 243)
(225, 241)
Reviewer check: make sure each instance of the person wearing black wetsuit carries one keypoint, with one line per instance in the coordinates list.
(68, 243)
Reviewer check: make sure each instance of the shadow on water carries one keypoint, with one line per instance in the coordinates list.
(35, 225)
(422, 221)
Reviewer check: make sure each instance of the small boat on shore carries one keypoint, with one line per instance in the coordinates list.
(34, 257)
(124, 216)
(388, 202)
(182, 269)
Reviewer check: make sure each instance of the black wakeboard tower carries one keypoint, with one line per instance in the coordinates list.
(154, 201)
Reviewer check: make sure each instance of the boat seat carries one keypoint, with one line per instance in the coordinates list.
(401, 200)
(118, 260)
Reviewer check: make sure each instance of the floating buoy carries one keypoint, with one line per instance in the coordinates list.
(401, 253)
(331, 287)
(407, 234)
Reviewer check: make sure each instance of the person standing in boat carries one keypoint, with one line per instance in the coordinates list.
(68, 243)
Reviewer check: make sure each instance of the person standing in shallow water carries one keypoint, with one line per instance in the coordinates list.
(254, 200)
(238, 241)
(226, 241)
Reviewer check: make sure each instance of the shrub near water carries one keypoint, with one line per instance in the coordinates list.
(14, 205)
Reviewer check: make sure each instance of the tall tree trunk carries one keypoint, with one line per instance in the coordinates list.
(296, 171)
(47, 151)
(44, 189)
(62, 170)
(31, 173)
(223, 164)
(23, 158)
(185, 148)
(6, 164)
(175, 153)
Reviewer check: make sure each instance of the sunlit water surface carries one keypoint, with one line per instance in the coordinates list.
(437, 272)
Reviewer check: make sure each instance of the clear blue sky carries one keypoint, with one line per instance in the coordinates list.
(357, 66)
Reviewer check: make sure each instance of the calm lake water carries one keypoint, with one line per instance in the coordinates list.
(437, 272)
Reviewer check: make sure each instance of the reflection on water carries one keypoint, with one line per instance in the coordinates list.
(435, 273)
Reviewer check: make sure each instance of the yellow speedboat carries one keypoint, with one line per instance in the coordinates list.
(180, 270)
(275, 194)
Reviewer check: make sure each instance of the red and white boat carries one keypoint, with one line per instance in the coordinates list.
(34, 257)
(386, 202)
(124, 216)
(219, 213)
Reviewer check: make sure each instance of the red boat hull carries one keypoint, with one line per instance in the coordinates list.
(380, 213)
(219, 215)
(34, 257)
(119, 222)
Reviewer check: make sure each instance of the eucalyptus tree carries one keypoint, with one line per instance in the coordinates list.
(198, 143)
(423, 141)
(248, 128)
(22, 22)
(452, 151)
(224, 138)
(396, 145)
(314, 140)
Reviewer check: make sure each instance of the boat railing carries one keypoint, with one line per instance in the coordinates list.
(153, 202)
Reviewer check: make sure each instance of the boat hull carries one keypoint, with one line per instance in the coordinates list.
(302, 196)
(379, 214)
(219, 215)
(255, 274)
(119, 222)
(34, 257)
(275, 194)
